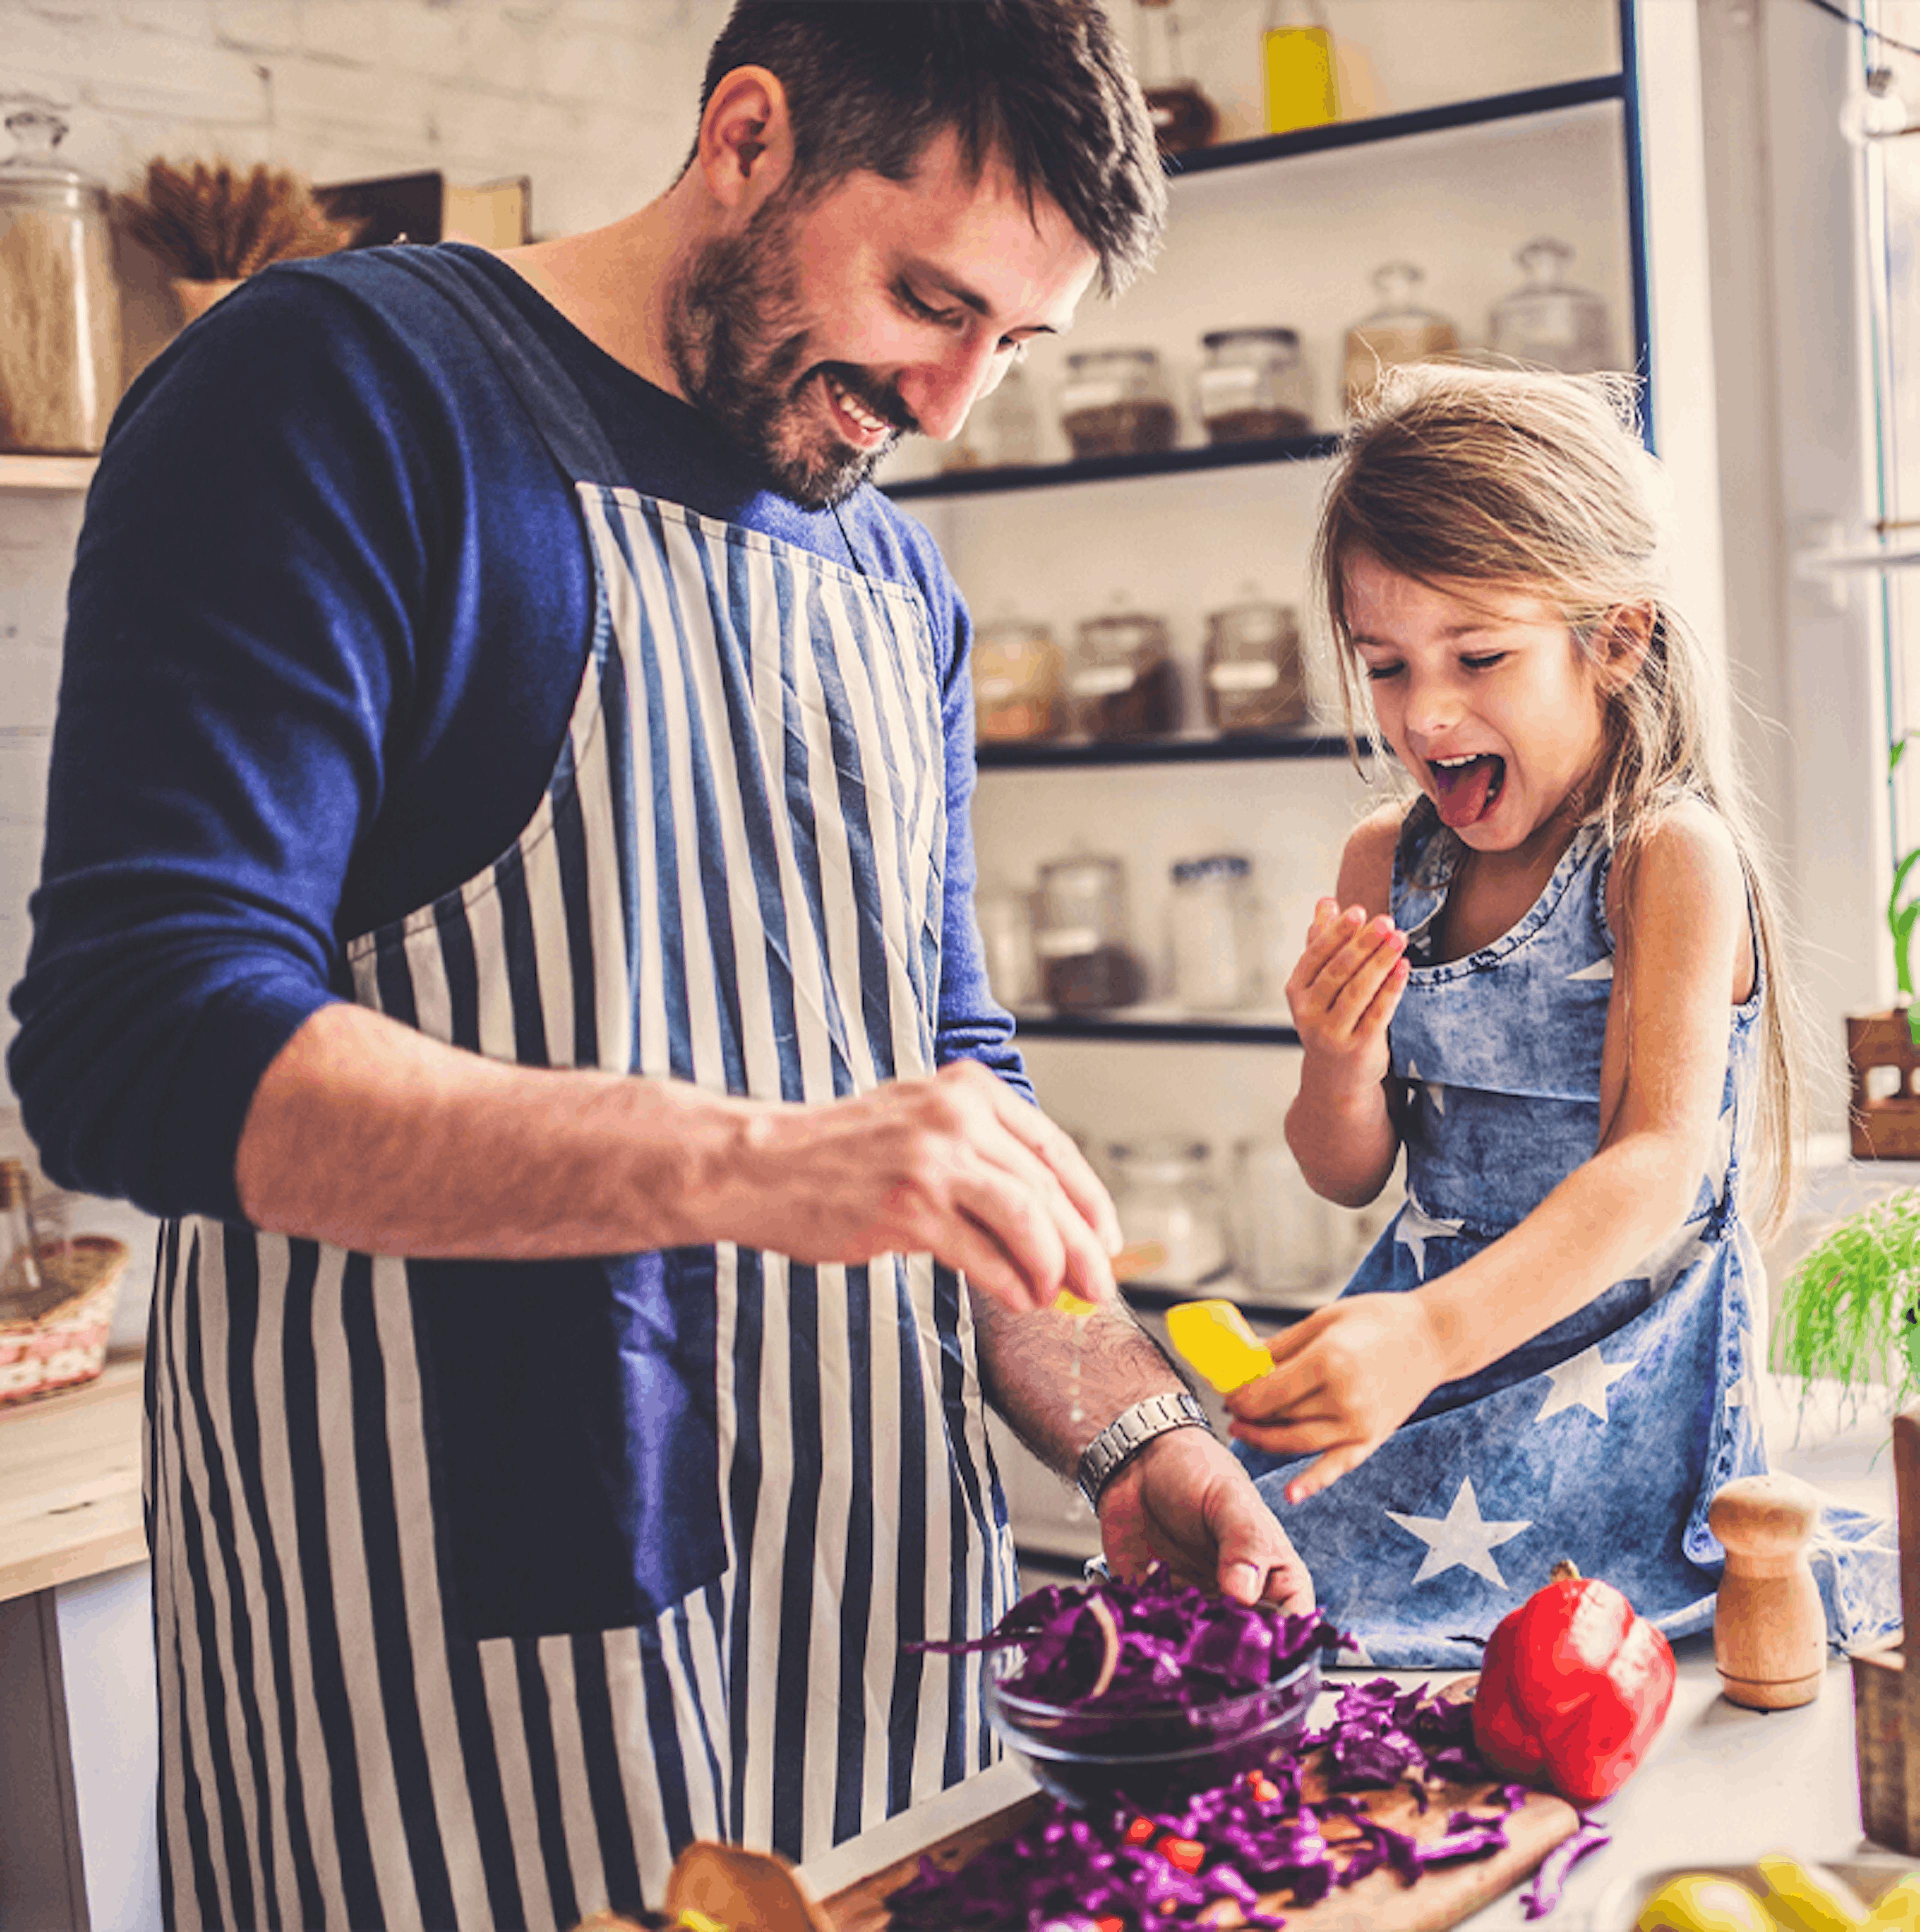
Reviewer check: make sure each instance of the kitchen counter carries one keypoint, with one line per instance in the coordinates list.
(1721, 1786)
(69, 1482)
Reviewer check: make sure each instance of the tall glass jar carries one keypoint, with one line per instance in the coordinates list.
(1124, 682)
(1165, 1191)
(1252, 385)
(1183, 117)
(1005, 915)
(59, 301)
(1115, 402)
(1087, 963)
(1017, 694)
(1547, 321)
(1399, 331)
(1216, 944)
(1255, 675)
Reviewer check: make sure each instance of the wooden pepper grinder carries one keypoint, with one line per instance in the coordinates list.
(1769, 1630)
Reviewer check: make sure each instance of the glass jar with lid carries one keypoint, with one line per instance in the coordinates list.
(1017, 679)
(1253, 385)
(1399, 331)
(1166, 1191)
(1087, 963)
(1123, 681)
(1216, 941)
(1183, 117)
(1255, 675)
(1547, 321)
(60, 348)
(1115, 402)
(1005, 916)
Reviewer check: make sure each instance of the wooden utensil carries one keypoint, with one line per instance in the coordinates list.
(1769, 1631)
(736, 1890)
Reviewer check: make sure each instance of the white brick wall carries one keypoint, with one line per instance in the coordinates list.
(594, 99)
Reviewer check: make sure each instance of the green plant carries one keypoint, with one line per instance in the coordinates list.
(1850, 1311)
(1901, 918)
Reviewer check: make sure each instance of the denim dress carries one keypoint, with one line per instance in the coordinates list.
(1604, 1439)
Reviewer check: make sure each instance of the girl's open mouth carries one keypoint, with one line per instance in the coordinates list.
(1466, 788)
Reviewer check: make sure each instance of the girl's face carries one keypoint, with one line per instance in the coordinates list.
(1485, 697)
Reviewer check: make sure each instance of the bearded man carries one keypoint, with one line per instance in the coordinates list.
(507, 904)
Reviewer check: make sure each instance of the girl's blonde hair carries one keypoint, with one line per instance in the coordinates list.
(1537, 483)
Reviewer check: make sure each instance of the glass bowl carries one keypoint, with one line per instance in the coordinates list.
(1085, 1756)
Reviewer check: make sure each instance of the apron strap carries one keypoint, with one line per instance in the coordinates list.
(550, 396)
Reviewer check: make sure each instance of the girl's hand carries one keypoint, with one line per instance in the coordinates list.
(1342, 1382)
(1345, 990)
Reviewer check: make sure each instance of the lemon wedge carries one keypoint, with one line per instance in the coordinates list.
(1808, 1898)
(1067, 1303)
(1213, 1336)
(1897, 1909)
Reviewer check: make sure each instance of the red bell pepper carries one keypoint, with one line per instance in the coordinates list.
(1573, 1687)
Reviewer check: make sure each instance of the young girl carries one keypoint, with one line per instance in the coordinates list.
(1552, 978)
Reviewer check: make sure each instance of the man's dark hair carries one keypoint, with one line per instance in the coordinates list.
(1044, 83)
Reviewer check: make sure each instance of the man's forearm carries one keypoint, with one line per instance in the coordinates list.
(1034, 1366)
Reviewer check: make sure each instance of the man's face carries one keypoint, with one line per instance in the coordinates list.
(822, 333)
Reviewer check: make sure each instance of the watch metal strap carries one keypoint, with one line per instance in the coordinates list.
(1129, 1432)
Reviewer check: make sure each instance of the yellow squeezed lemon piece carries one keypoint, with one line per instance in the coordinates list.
(1807, 1898)
(1067, 1303)
(1213, 1336)
(1897, 1909)
(1702, 1902)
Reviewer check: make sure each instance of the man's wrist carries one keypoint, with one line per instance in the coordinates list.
(1129, 1432)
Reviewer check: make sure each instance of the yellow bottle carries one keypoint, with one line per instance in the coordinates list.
(1302, 74)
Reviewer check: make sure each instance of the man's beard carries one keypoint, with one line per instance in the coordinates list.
(738, 354)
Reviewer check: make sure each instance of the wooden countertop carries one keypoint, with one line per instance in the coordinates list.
(69, 1482)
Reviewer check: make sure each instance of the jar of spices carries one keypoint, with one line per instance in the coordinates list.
(1165, 1192)
(1549, 322)
(1005, 916)
(1216, 944)
(60, 348)
(1123, 681)
(1018, 676)
(1115, 402)
(1255, 676)
(1399, 331)
(1086, 963)
(1253, 386)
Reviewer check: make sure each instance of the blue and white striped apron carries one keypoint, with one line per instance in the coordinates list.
(482, 1589)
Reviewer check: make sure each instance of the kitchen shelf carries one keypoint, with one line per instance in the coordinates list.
(1473, 112)
(1043, 754)
(1114, 468)
(1182, 1029)
(47, 475)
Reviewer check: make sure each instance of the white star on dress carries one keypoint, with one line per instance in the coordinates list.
(1582, 1382)
(1435, 1092)
(1461, 1540)
(1416, 1228)
(1600, 969)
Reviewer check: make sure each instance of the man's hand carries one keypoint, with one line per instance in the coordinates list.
(959, 1165)
(1185, 1501)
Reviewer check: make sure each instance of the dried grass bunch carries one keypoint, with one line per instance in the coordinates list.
(215, 223)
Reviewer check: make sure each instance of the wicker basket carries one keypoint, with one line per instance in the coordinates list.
(67, 1344)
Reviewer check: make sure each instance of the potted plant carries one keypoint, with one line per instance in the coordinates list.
(1886, 1126)
(1850, 1311)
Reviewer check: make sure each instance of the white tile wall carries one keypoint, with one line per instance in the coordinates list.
(593, 99)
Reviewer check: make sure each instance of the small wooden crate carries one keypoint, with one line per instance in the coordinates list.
(67, 1344)
(1887, 1128)
(1886, 1694)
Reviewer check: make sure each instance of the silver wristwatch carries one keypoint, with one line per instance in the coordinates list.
(1129, 1432)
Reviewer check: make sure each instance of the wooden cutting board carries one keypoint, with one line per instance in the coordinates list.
(1444, 1896)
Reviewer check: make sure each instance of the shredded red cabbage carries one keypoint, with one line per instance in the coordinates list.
(1122, 1870)
(1542, 1896)
(1178, 1646)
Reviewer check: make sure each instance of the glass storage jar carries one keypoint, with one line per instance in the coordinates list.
(1252, 385)
(1398, 332)
(1255, 675)
(1086, 965)
(1183, 117)
(1215, 943)
(1123, 681)
(1299, 66)
(1009, 422)
(1005, 915)
(1547, 321)
(60, 342)
(1017, 681)
(1115, 402)
(1165, 1191)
